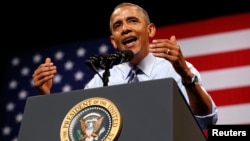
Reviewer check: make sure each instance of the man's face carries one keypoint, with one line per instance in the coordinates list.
(130, 30)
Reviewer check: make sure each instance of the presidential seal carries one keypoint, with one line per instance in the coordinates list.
(93, 119)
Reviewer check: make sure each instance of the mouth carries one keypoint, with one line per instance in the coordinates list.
(129, 40)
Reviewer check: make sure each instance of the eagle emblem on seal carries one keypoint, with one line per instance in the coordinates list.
(90, 128)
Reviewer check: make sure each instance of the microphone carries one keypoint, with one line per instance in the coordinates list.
(96, 61)
(106, 61)
(119, 57)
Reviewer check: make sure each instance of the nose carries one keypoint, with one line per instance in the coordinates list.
(125, 28)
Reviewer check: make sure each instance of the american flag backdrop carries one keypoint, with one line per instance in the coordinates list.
(218, 47)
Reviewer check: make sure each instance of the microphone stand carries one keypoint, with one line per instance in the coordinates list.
(106, 74)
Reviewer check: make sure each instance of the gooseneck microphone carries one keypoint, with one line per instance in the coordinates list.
(107, 61)
(97, 61)
(119, 57)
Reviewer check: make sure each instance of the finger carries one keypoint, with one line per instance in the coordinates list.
(42, 80)
(47, 63)
(173, 39)
(44, 71)
(163, 43)
(41, 74)
(48, 60)
(159, 40)
(168, 51)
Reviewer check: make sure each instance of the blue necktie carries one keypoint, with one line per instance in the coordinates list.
(133, 75)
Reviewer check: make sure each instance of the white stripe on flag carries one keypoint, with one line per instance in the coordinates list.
(215, 43)
(226, 78)
(234, 114)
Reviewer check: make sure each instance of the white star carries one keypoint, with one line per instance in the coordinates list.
(68, 65)
(32, 82)
(66, 88)
(103, 48)
(57, 79)
(37, 58)
(59, 55)
(6, 130)
(10, 106)
(15, 61)
(25, 71)
(79, 75)
(13, 84)
(23, 94)
(19, 117)
(80, 52)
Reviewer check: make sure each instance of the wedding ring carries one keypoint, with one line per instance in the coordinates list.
(168, 51)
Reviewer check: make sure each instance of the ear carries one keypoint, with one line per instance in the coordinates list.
(113, 41)
(151, 30)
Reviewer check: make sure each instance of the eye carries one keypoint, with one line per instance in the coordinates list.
(133, 20)
(117, 25)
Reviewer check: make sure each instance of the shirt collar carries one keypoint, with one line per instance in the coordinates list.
(146, 66)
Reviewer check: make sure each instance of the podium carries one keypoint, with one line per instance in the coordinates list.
(149, 111)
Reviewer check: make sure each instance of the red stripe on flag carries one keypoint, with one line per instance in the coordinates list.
(224, 97)
(204, 27)
(205, 132)
(221, 60)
